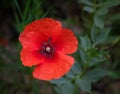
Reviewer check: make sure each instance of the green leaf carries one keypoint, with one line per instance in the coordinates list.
(97, 59)
(102, 37)
(84, 85)
(19, 10)
(70, 75)
(83, 56)
(67, 88)
(26, 10)
(93, 33)
(98, 21)
(63, 86)
(89, 9)
(86, 2)
(95, 74)
(60, 81)
(102, 11)
(76, 68)
(109, 3)
(58, 89)
(85, 43)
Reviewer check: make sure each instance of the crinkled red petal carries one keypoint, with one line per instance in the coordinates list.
(66, 42)
(30, 58)
(59, 66)
(38, 32)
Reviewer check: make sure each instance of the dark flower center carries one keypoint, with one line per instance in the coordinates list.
(47, 48)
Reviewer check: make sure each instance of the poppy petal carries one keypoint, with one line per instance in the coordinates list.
(55, 69)
(66, 42)
(39, 31)
(30, 58)
(28, 41)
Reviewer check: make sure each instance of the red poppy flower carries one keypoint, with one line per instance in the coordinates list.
(47, 45)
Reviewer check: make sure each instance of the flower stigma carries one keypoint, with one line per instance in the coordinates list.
(48, 49)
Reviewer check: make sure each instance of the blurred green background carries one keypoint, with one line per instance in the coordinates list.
(79, 15)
